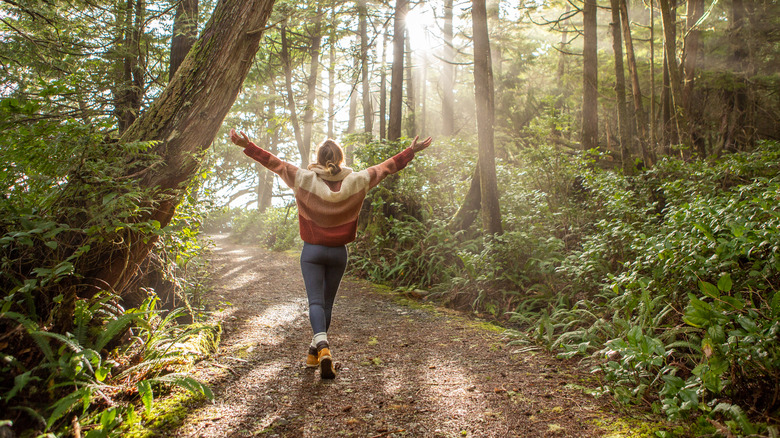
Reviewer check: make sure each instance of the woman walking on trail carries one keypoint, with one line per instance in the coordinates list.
(329, 198)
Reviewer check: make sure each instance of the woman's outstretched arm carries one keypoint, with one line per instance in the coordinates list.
(285, 170)
(397, 162)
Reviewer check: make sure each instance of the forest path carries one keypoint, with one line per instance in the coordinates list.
(405, 370)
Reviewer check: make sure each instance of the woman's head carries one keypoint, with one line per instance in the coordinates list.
(330, 155)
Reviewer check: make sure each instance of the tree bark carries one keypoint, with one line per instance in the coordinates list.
(183, 120)
(368, 112)
(652, 112)
(287, 65)
(332, 76)
(127, 106)
(493, 17)
(423, 93)
(469, 210)
(266, 177)
(590, 116)
(383, 90)
(311, 86)
(690, 55)
(448, 74)
(397, 74)
(668, 133)
(411, 101)
(691, 48)
(640, 120)
(675, 83)
(735, 127)
(484, 97)
(353, 104)
(625, 138)
(185, 33)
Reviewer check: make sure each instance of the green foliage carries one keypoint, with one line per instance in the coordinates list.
(66, 194)
(409, 254)
(78, 375)
(678, 276)
(666, 280)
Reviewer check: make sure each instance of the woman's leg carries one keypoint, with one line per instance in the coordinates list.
(334, 271)
(313, 271)
(322, 268)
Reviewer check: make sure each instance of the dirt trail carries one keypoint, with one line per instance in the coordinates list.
(406, 371)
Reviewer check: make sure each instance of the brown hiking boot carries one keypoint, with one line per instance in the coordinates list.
(326, 361)
(312, 361)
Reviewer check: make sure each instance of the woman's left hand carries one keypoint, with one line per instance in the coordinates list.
(419, 146)
(240, 140)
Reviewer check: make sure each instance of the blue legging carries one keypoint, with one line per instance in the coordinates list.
(322, 268)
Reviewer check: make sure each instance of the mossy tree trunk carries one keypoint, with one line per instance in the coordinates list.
(184, 120)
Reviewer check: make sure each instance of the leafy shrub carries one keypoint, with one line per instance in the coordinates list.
(409, 255)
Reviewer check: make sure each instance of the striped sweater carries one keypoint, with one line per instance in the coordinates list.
(328, 205)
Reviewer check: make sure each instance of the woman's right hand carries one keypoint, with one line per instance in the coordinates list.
(418, 146)
(240, 140)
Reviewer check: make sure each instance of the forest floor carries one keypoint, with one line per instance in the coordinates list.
(406, 369)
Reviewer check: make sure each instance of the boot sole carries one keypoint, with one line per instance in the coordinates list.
(326, 368)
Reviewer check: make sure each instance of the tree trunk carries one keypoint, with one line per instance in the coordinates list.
(287, 65)
(332, 76)
(736, 131)
(383, 90)
(448, 74)
(185, 33)
(493, 7)
(266, 177)
(397, 74)
(561, 68)
(668, 133)
(311, 86)
(675, 84)
(131, 89)
(483, 95)
(652, 112)
(411, 101)
(368, 112)
(640, 121)
(590, 72)
(469, 210)
(353, 104)
(423, 93)
(690, 53)
(624, 139)
(184, 120)
(691, 48)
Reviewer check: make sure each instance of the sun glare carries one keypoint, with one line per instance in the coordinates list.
(421, 28)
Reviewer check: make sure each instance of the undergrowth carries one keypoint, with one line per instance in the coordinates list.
(72, 355)
(665, 281)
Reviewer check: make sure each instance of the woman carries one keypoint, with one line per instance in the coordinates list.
(329, 197)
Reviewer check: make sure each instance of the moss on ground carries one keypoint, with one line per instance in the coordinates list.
(636, 428)
(167, 415)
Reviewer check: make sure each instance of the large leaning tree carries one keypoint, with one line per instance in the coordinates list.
(182, 123)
